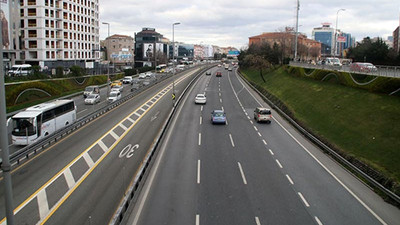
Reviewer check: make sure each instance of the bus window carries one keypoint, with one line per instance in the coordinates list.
(23, 127)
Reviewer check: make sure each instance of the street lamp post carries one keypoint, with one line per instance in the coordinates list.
(108, 57)
(334, 47)
(173, 63)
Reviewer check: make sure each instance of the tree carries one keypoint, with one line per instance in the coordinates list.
(257, 62)
(376, 52)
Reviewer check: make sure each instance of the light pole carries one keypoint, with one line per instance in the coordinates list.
(173, 63)
(334, 47)
(108, 57)
(297, 29)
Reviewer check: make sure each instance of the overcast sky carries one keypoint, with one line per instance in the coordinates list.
(231, 22)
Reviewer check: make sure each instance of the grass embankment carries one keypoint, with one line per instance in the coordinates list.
(362, 124)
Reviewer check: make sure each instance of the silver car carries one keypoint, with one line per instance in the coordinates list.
(262, 114)
(92, 99)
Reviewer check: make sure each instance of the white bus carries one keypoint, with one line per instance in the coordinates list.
(41, 120)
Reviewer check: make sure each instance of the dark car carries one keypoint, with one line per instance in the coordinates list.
(218, 117)
(218, 74)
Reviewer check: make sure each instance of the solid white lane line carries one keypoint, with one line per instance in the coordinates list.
(102, 145)
(290, 180)
(333, 175)
(265, 143)
(43, 205)
(304, 200)
(199, 138)
(69, 178)
(318, 221)
(233, 144)
(88, 159)
(270, 151)
(259, 134)
(279, 164)
(242, 173)
(197, 219)
(201, 120)
(114, 135)
(258, 221)
(123, 127)
(201, 108)
(198, 171)
(255, 128)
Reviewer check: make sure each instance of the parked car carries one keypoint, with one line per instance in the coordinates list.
(200, 99)
(208, 73)
(127, 80)
(262, 114)
(114, 96)
(93, 89)
(218, 74)
(363, 67)
(92, 99)
(119, 88)
(218, 117)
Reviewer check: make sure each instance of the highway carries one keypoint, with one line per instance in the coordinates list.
(245, 172)
(82, 179)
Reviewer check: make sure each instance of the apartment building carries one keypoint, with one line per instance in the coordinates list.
(56, 33)
(120, 50)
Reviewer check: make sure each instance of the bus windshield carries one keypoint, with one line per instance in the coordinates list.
(23, 126)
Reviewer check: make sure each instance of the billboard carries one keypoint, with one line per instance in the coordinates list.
(233, 53)
(148, 50)
(5, 18)
(341, 39)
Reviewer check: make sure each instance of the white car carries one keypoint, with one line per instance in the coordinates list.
(127, 80)
(92, 99)
(114, 96)
(119, 88)
(142, 76)
(200, 99)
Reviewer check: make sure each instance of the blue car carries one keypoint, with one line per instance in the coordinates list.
(218, 116)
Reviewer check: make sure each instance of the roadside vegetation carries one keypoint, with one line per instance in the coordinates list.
(359, 123)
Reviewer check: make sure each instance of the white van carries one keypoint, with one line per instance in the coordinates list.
(20, 70)
(333, 62)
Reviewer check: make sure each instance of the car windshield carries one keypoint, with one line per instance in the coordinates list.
(113, 94)
(91, 96)
(89, 89)
(218, 114)
(265, 112)
(200, 96)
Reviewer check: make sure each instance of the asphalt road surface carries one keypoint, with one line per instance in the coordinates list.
(245, 172)
(82, 179)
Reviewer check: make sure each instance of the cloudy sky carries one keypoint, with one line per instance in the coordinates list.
(231, 22)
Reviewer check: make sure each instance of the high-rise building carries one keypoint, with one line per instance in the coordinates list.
(396, 37)
(56, 33)
(325, 35)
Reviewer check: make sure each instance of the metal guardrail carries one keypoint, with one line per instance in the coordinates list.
(27, 152)
(123, 207)
(326, 148)
(382, 71)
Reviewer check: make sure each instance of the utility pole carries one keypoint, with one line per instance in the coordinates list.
(297, 28)
(5, 166)
(336, 30)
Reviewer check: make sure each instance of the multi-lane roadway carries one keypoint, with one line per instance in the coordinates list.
(247, 173)
(82, 179)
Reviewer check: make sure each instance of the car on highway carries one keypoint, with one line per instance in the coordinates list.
(136, 86)
(116, 82)
(127, 80)
(114, 96)
(218, 74)
(92, 99)
(363, 67)
(208, 73)
(93, 89)
(219, 65)
(142, 76)
(218, 117)
(119, 88)
(230, 69)
(200, 99)
(263, 115)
